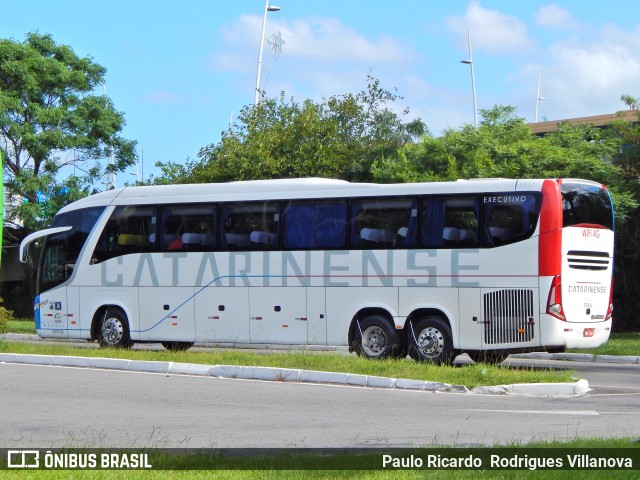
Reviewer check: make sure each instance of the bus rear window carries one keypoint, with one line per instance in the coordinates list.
(586, 204)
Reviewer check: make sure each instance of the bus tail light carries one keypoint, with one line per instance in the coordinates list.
(610, 308)
(554, 303)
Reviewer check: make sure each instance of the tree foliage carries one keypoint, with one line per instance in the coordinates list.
(339, 137)
(627, 254)
(50, 117)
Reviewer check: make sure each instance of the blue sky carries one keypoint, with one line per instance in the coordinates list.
(180, 70)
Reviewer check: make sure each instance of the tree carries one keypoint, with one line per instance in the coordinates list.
(627, 256)
(339, 137)
(50, 117)
(503, 146)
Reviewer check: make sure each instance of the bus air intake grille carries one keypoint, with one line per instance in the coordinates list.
(587, 260)
(508, 316)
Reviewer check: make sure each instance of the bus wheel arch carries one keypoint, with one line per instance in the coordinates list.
(429, 337)
(372, 334)
(110, 326)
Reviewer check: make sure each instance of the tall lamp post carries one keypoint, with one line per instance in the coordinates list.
(538, 98)
(267, 8)
(473, 81)
(110, 178)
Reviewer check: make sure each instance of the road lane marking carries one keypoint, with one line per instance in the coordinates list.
(540, 412)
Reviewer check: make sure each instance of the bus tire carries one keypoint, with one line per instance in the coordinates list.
(430, 340)
(177, 346)
(114, 329)
(375, 338)
(488, 356)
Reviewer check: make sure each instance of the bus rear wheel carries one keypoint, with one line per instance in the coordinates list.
(376, 339)
(114, 330)
(177, 346)
(430, 341)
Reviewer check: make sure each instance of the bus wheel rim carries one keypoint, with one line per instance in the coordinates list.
(431, 342)
(374, 341)
(112, 331)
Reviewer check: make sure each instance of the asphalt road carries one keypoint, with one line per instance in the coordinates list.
(71, 407)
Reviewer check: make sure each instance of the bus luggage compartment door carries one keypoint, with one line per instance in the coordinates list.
(278, 315)
(167, 314)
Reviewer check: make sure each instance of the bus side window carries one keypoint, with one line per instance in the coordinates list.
(188, 227)
(509, 221)
(130, 229)
(451, 222)
(315, 224)
(250, 226)
(384, 223)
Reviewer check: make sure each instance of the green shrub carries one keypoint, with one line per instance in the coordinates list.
(5, 316)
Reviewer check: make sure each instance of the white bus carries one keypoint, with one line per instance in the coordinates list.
(432, 270)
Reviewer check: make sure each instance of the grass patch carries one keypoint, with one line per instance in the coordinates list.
(618, 344)
(468, 375)
(21, 325)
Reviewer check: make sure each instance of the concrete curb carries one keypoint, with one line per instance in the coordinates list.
(582, 357)
(538, 389)
(293, 375)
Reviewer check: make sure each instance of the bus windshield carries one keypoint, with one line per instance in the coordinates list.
(61, 251)
(586, 204)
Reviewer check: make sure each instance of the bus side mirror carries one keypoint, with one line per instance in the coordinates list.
(24, 244)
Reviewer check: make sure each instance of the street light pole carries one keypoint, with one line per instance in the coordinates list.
(473, 81)
(110, 178)
(538, 98)
(267, 9)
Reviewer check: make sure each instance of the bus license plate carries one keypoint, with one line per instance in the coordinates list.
(589, 332)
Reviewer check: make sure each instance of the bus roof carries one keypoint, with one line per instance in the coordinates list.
(282, 189)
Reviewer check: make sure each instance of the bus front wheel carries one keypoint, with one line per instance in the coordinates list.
(376, 338)
(114, 329)
(430, 341)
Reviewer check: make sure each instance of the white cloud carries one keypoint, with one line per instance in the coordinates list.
(321, 57)
(318, 39)
(491, 31)
(555, 16)
(582, 78)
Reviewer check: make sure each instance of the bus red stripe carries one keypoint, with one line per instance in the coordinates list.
(550, 240)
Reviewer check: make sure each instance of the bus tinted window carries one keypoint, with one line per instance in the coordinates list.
(188, 227)
(384, 223)
(130, 229)
(586, 204)
(509, 217)
(313, 224)
(450, 222)
(250, 226)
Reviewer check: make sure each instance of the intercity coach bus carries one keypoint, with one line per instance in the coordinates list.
(432, 270)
